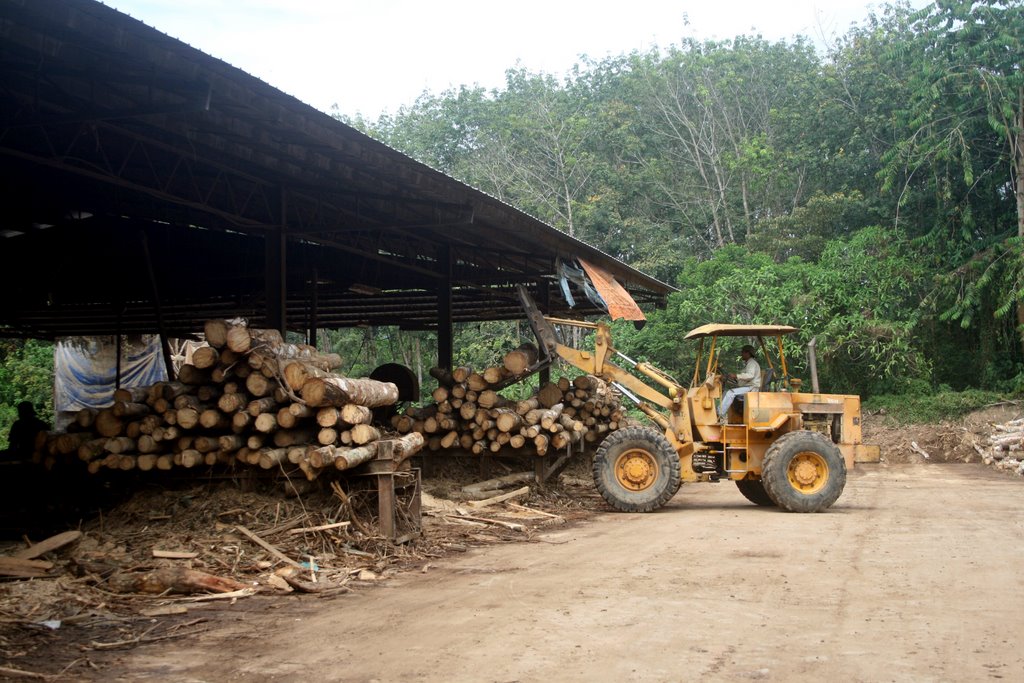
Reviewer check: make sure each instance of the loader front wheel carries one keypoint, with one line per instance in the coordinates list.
(636, 470)
(753, 490)
(803, 472)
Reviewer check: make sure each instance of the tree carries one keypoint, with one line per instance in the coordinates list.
(965, 123)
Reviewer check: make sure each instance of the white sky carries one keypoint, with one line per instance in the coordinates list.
(367, 56)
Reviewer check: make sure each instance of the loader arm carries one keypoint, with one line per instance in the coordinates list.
(676, 423)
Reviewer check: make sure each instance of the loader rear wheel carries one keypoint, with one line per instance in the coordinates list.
(803, 472)
(636, 470)
(753, 490)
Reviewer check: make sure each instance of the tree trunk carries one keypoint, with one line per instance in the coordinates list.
(337, 391)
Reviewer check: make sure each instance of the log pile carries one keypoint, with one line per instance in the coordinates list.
(468, 414)
(1005, 447)
(249, 398)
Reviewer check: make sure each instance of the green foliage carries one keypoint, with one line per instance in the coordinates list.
(928, 407)
(26, 374)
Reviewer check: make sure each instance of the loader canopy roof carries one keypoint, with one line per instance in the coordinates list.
(724, 330)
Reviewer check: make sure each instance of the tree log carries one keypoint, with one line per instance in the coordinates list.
(262, 405)
(187, 418)
(355, 456)
(258, 385)
(132, 394)
(337, 391)
(550, 395)
(508, 420)
(211, 418)
(291, 437)
(519, 360)
(173, 579)
(107, 424)
(191, 375)
(266, 423)
(298, 372)
(362, 434)
(272, 457)
(205, 357)
(231, 403)
(354, 414)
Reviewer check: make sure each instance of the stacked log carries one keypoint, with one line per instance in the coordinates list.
(247, 399)
(1005, 447)
(468, 414)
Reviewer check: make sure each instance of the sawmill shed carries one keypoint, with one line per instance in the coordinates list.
(148, 186)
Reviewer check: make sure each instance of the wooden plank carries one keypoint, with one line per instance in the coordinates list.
(322, 527)
(22, 568)
(524, 491)
(266, 546)
(174, 554)
(50, 544)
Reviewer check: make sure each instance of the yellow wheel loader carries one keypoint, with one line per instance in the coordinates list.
(781, 445)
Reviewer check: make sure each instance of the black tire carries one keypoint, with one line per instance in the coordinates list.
(753, 490)
(645, 457)
(803, 472)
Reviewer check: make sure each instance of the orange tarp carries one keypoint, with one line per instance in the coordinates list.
(620, 303)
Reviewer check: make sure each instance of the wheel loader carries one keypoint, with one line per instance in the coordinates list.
(781, 445)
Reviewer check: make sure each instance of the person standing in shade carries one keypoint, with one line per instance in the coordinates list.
(21, 440)
(747, 380)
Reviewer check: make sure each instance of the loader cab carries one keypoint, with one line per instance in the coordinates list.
(717, 338)
(718, 341)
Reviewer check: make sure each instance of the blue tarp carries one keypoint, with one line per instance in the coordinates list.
(85, 369)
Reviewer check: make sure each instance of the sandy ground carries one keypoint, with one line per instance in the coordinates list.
(914, 575)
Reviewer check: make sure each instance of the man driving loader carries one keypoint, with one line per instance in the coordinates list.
(747, 380)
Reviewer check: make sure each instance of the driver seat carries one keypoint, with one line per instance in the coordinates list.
(767, 377)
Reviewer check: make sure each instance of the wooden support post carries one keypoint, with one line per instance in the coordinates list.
(540, 468)
(386, 493)
(445, 354)
(485, 467)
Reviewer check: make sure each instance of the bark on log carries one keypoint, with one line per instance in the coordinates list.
(443, 376)
(132, 394)
(262, 405)
(337, 391)
(356, 456)
(272, 457)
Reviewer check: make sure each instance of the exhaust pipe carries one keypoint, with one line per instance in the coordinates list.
(812, 356)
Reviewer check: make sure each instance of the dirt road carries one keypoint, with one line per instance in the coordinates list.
(915, 575)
